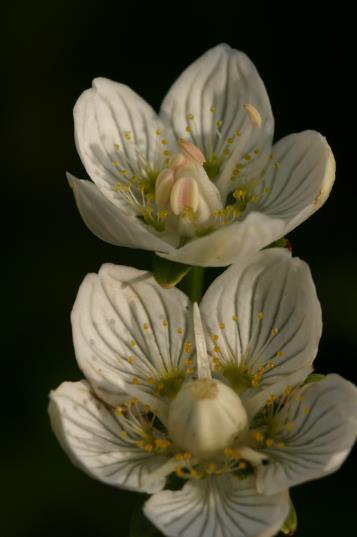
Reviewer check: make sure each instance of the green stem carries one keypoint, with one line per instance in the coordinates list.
(192, 284)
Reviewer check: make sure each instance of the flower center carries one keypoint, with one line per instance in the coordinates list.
(205, 417)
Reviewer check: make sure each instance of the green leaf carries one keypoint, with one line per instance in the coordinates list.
(290, 525)
(140, 526)
(168, 273)
(314, 377)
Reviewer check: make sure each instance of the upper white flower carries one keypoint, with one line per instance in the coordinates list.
(215, 395)
(200, 182)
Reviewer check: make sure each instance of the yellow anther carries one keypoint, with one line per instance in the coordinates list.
(179, 457)
(130, 359)
(189, 371)
(271, 399)
(270, 365)
(215, 337)
(239, 194)
(211, 468)
(216, 349)
(164, 141)
(180, 473)
(290, 425)
(132, 343)
(187, 455)
(280, 354)
(242, 465)
(148, 447)
(222, 326)
(237, 133)
(179, 330)
(288, 391)
(165, 323)
(187, 362)
(162, 443)
(269, 442)
(188, 129)
(258, 436)
(166, 153)
(219, 124)
(226, 151)
(247, 157)
(235, 317)
(306, 410)
(280, 444)
(228, 451)
(147, 408)
(123, 434)
(190, 116)
(187, 346)
(127, 135)
(145, 326)
(260, 315)
(277, 165)
(274, 331)
(230, 140)
(115, 163)
(158, 132)
(117, 187)
(150, 380)
(257, 151)
(212, 109)
(299, 398)
(116, 147)
(235, 172)
(135, 380)
(118, 411)
(123, 172)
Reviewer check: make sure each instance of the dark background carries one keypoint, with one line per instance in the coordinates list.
(51, 51)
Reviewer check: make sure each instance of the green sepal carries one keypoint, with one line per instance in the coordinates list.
(314, 377)
(168, 273)
(290, 525)
(280, 243)
(140, 526)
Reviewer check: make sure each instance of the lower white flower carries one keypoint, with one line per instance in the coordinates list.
(215, 399)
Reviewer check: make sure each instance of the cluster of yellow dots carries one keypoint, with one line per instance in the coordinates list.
(264, 441)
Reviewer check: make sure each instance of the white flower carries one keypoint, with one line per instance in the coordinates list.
(200, 183)
(214, 395)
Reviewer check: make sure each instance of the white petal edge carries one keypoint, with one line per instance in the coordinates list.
(318, 428)
(89, 432)
(113, 224)
(217, 507)
(225, 79)
(114, 125)
(229, 243)
(265, 312)
(299, 178)
(127, 330)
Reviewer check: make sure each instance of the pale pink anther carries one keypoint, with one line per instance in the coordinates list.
(163, 187)
(184, 195)
(177, 160)
(192, 152)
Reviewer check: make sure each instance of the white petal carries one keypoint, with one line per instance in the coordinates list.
(127, 328)
(217, 507)
(226, 80)
(318, 426)
(203, 367)
(299, 178)
(113, 224)
(265, 312)
(229, 243)
(89, 432)
(114, 125)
